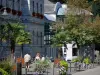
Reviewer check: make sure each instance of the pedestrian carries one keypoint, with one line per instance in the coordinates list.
(37, 57)
(27, 59)
(43, 58)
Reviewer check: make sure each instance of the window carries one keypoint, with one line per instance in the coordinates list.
(74, 51)
(33, 6)
(37, 37)
(37, 7)
(18, 4)
(13, 4)
(41, 8)
(0, 2)
(41, 39)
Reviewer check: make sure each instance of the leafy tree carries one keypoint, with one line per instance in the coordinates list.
(16, 34)
(83, 33)
(91, 5)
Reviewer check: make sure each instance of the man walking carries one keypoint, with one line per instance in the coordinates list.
(27, 59)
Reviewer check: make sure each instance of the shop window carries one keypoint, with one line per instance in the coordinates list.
(74, 51)
(37, 7)
(41, 8)
(33, 6)
(0, 2)
(13, 4)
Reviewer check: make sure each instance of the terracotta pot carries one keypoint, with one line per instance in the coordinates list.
(33, 14)
(19, 13)
(41, 16)
(14, 12)
(8, 10)
(37, 15)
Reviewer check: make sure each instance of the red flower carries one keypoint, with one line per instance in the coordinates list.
(8, 10)
(38, 15)
(2, 10)
(33, 14)
(41, 16)
(19, 13)
(14, 12)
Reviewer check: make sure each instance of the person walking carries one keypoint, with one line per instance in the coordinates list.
(27, 59)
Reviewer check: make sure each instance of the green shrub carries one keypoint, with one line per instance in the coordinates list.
(6, 66)
(87, 60)
(63, 67)
(3, 72)
(41, 66)
(78, 59)
(64, 64)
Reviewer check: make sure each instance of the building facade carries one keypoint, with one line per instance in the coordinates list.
(30, 13)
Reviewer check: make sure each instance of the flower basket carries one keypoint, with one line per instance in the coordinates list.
(14, 12)
(19, 13)
(8, 10)
(41, 16)
(1, 6)
(33, 14)
(37, 15)
(2, 10)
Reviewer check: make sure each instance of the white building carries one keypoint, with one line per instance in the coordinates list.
(30, 13)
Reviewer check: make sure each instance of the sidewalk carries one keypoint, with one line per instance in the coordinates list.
(95, 71)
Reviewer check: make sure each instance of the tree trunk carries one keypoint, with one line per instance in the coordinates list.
(12, 50)
(59, 52)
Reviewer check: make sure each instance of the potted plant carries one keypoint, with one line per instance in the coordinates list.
(63, 67)
(33, 14)
(14, 12)
(87, 61)
(8, 10)
(41, 66)
(37, 15)
(19, 13)
(41, 16)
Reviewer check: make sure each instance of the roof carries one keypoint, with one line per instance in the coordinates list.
(49, 8)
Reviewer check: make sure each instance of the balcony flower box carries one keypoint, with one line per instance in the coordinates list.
(33, 14)
(8, 10)
(14, 12)
(41, 16)
(37, 15)
(19, 13)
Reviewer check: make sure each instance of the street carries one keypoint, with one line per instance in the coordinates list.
(95, 71)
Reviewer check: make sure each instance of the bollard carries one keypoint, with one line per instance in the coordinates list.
(25, 71)
(19, 69)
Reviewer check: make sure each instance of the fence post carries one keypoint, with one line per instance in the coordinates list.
(69, 72)
(53, 68)
(19, 68)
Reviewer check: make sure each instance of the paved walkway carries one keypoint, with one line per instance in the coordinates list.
(95, 71)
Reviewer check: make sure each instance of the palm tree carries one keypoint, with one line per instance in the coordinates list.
(16, 34)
